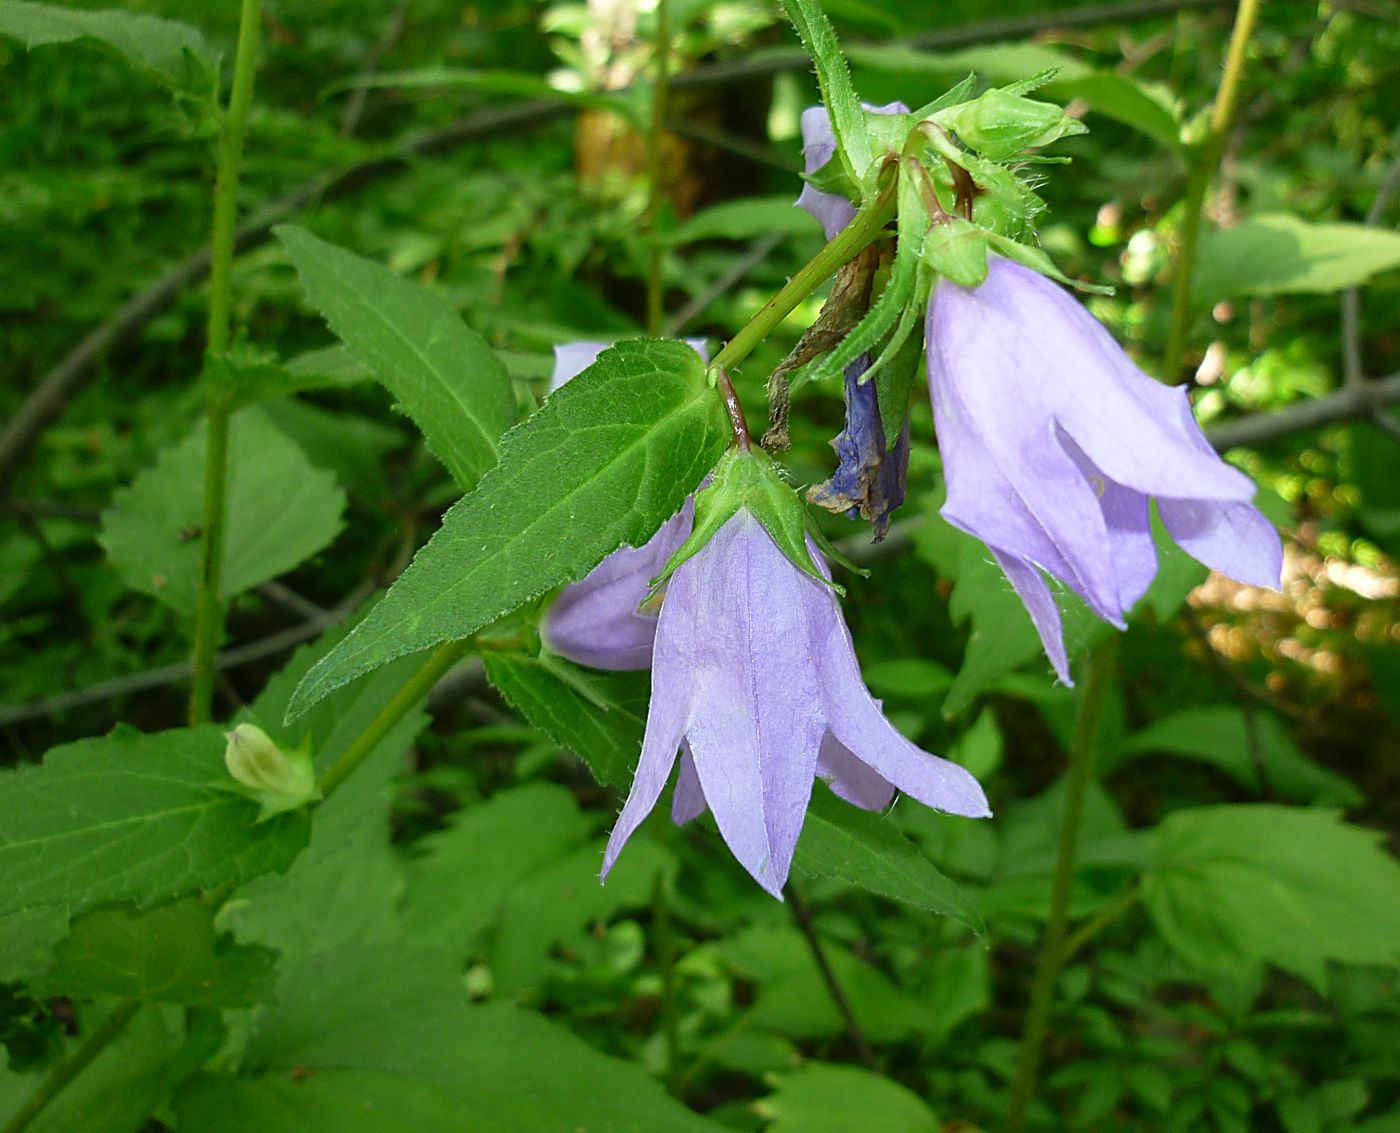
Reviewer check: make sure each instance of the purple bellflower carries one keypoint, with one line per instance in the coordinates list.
(754, 676)
(599, 621)
(869, 477)
(1053, 442)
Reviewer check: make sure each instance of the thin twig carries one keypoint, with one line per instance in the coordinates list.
(1345, 405)
(802, 914)
(757, 252)
(355, 105)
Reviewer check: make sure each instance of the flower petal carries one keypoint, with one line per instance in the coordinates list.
(1012, 485)
(1233, 538)
(1128, 516)
(672, 693)
(831, 210)
(857, 723)
(688, 801)
(756, 726)
(1040, 604)
(850, 779)
(596, 622)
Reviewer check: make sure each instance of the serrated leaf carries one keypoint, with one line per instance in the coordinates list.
(829, 1098)
(396, 1026)
(281, 511)
(1280, 254)
(1230, 887)
(132, 817)
(608, 739)
(443, 374)
(173, 52)
(834, 78)
(166, 954)
(608, 459)
(853, 845)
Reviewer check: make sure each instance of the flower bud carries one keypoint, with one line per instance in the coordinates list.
(279, 780)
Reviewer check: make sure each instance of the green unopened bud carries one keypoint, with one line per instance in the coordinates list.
(277, 779)
(1000, 124)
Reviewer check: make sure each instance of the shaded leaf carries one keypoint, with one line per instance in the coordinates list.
(829, 1098)
(281, 511)
(443, 374)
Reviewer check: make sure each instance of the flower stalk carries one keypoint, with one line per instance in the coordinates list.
(660, 91)
(209, 615)
(1053, 952)
(1203, 168)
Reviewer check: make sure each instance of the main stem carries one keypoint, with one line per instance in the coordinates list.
(418, 686)
(844, 245)
(656, 278)
(1203, 169)
(208, 617)
(69, 1068)
(1052, 953)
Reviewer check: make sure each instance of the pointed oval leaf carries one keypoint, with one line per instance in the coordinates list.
(609, 458)
(442, 374)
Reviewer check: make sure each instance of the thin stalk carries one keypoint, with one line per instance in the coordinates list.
(418, 686)
(74, 1064)
(656, 277)
(802, 914)
(1203, 168)
(844, 245)
(665, 942)
(209, 614)
(1052, 948)
(1091, 928)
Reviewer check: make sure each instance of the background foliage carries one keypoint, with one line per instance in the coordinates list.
(431, 949)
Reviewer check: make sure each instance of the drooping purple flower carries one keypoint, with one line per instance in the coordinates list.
(598, 621)
(755, 676)
(1053, 442)
(870, 476)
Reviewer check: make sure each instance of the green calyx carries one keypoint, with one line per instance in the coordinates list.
(276, 779)
(748, 479)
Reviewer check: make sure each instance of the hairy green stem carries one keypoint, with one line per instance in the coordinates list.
(656, 276)
(417, 687)
(846, 243)
(1204, 164)
(209, 613)
(65, 1070)
(1052, 948)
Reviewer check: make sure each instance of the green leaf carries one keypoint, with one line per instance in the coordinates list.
(497, 843)
(751, 481)
(828, 1098)
(853, 845)
(256, 380)
(1220, 736)
(608, 459)
(132, 817)
(281, 511)
(603, 728)
(167, 954)
(1280, 254)
(395, 1028)
(834, 77)
(27, 939)
(444, 375)
(172, 52)
(745, 219)
(1230, 887)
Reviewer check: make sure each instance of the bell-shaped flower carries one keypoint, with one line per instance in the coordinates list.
(1053, 444)
(754, 674)
(832, 211)
(601, 620)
